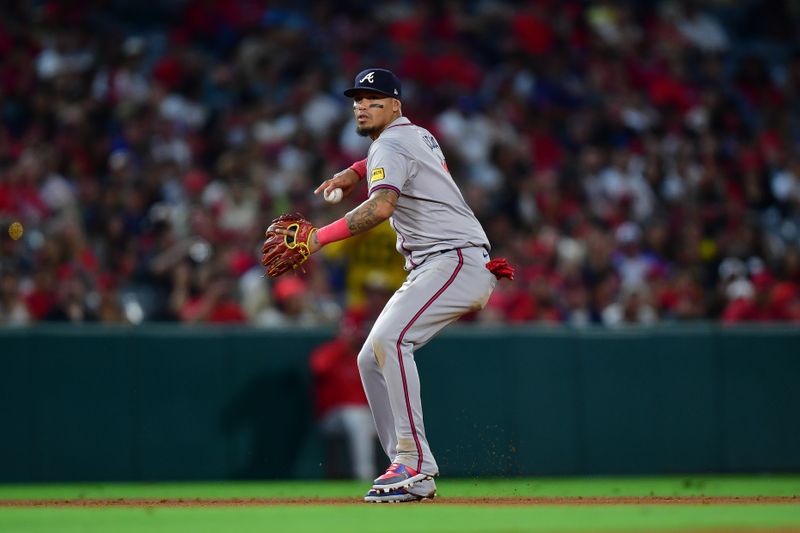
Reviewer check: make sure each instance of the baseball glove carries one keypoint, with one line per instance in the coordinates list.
(287, 252)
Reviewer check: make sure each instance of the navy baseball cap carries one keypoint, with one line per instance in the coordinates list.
(379, 80)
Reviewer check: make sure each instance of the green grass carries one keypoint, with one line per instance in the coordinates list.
(425, 518)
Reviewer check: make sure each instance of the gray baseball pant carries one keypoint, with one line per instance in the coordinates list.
(436, 293)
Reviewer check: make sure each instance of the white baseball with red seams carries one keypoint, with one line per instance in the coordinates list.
(334, 196)
(446, 252)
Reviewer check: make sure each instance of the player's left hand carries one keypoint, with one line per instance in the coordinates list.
(290, 241)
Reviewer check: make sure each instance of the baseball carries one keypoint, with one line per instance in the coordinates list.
(335, 196)
(15, 230)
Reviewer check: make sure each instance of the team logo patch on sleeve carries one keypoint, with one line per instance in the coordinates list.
(377, 175)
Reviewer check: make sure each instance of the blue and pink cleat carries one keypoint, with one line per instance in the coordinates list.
(398, 476)
(421, 490)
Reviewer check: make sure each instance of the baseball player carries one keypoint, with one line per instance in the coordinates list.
(449, 272)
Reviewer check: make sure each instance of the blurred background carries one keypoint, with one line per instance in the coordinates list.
(639, 162)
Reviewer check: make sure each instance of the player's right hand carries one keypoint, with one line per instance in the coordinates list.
(346, 180)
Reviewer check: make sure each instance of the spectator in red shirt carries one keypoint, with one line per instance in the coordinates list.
(340, 403)
(214, 302)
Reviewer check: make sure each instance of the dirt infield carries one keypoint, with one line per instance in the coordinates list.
(531, 501)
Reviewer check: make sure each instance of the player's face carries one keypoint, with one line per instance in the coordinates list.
(373, 112)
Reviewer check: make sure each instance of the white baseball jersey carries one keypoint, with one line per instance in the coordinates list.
(431, 215)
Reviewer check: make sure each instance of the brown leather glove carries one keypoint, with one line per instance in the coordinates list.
(287, 252)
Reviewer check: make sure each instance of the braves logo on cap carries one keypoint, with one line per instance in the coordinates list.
(379, 80)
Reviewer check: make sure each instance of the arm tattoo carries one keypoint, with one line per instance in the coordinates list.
(372, 212)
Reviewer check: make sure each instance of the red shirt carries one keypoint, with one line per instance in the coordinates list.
(336, 378)
(224, 312)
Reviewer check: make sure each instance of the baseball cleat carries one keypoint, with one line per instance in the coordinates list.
(398, 476)
(394, 496)
(424, 489)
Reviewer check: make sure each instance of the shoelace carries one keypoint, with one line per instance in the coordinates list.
(394, 467)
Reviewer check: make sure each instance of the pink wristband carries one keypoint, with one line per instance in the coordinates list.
(360, 168)
(335, 231)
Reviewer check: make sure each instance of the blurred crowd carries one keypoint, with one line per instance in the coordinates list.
(639, 162)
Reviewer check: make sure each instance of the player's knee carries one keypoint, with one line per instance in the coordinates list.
(366, 358)
(384, 344)
(373, 354)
